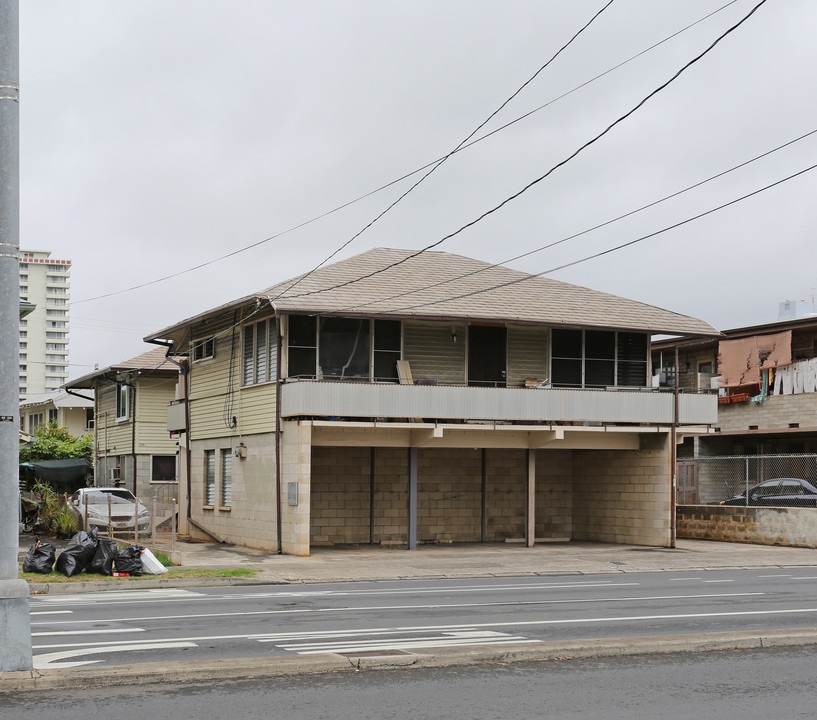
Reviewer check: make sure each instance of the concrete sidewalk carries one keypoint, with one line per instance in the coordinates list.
(466, 560)
(488, 560)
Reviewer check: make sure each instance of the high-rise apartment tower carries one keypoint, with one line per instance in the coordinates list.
(44, 332)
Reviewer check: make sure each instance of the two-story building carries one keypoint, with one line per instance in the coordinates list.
(765, 377)
(132, 447)
(403, 397)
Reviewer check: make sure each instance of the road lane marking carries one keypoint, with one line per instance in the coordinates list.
(114, 597)
(56, 660)
(67, 650)
(640, 618)
(117, 596)
(433, 590)
(435, 606)
(459, 638)
(105, 631)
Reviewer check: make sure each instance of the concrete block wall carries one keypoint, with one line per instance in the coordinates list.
(391, 495)
(146, 490)
(554, 494)
(622, 497)
(251, 520)
(296, 467)
(793, 527)
(507, 494)
(254, 494)
(449, 495)
(776, 412)
(340, 491)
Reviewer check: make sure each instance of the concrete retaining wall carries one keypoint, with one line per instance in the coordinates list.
(794, 527)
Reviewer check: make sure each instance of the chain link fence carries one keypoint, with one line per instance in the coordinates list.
(765, 480)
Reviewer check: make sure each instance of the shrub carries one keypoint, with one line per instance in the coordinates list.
(63, 523)
(54, 515)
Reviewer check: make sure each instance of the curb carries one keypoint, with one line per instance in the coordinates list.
(267, 667)
(268, 578)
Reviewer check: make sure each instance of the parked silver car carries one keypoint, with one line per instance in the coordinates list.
(108, 508)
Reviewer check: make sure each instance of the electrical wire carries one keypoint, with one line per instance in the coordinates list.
(400, 179)
(458, 147)
(536, 181)
(548, 246)
(612, 249)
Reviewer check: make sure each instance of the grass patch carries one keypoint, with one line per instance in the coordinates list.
(173, 572)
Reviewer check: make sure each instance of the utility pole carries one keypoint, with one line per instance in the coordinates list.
(15, 622)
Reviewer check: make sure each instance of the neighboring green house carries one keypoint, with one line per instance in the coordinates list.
(132, 445)
(402, 398)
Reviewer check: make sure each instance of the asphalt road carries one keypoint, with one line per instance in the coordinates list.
(401, 618)
(746, 684)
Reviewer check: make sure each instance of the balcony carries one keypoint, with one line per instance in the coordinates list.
(347, 400)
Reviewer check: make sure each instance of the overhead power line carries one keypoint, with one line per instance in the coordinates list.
(400, 179)
(586, 231)
(458, 147)
(617, 247)
(536, 181)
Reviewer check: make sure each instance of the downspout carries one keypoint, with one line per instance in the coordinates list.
(188, 453)
(107, 456)
(673, 455)
(278, 387)
(133, 437)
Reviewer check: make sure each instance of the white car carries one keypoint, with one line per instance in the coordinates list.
(108, 508)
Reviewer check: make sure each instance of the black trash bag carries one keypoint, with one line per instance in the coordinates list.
(102, 562)
(78, 553)
(40, 558)
(129, 560)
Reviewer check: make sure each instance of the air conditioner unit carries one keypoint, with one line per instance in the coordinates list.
(113, 474)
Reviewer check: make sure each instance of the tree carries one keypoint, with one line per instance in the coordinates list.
(54, 442)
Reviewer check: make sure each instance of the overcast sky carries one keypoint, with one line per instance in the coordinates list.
(160, 135)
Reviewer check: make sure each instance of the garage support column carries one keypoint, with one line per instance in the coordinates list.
(412, 499)
(530, 520)
(484, 509)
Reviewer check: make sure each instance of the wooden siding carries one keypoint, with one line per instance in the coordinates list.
(257, 409)
(432, 353)
(527, 354)
(215, 397)
(210, 379)
(111, 433)
(153, 394)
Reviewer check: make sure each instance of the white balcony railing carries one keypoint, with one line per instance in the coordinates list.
(361, 400)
